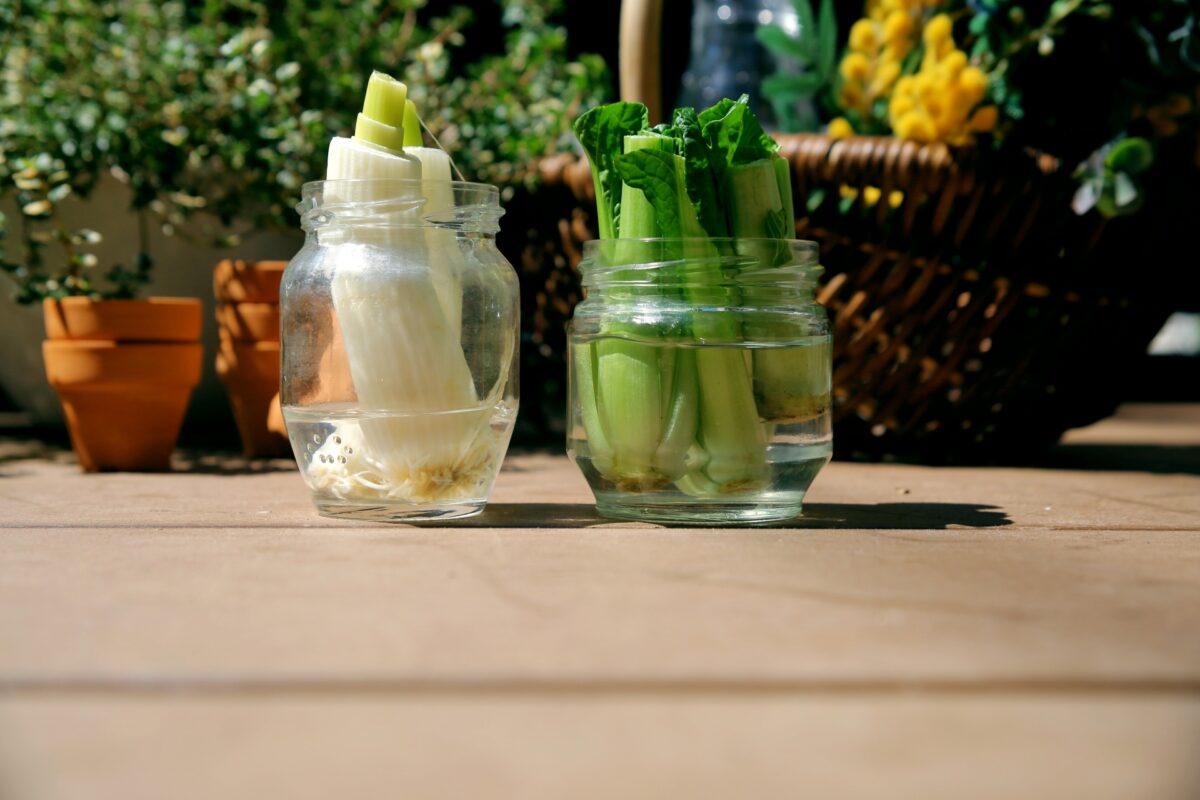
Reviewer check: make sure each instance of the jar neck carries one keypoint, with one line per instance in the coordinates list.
(388, 208)
(701, 270)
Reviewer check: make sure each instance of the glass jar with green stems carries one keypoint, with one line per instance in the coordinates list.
(700, 360)
(700, 379)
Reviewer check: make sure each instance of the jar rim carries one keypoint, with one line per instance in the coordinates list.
(488, 189)
(805, 247)
(400, 203)
(700, 261)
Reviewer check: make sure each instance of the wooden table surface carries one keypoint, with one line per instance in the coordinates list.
(926, 633)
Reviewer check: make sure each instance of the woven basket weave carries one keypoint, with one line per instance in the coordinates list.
(976, 316)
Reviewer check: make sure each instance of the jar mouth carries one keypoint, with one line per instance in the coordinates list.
(482, 189)
(719, 261)
(400, 203)
(798, 246)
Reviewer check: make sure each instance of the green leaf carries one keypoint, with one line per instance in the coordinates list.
(808, 26)
(653, 172)
(792, 86)
(780, 43)
(699, 177)
(734, 134)
(827, 38)
(1133, 155)
(602, 132)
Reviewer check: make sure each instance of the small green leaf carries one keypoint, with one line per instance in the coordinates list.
(780, 43)
(792, 85)
(1133, 155)
(827, 38)
(808, 25)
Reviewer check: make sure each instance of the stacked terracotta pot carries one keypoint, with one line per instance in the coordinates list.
(124, 370)
(248, 357)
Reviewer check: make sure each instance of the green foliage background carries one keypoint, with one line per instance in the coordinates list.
(214, 112)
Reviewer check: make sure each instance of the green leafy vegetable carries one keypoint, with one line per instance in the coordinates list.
(657, 414)
(602, 132)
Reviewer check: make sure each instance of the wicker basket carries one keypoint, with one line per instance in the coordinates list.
(977, 317)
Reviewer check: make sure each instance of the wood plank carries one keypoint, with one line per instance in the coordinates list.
(823, 607)
(1086, 747)
(547, 491)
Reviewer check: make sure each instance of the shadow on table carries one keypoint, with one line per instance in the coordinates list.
(1155, 458)
(200, 462)
(848, 516)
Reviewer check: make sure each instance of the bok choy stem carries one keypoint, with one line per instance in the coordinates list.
(656, 412)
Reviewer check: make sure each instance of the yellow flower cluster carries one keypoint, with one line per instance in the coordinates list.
(941, 102)
(878, 44)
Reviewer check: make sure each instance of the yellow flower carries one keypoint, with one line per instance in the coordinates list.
(915, 126)
(896, 52)
(862, 36)
(900, 104)
(938, 30)
(973, 83)
(885, 76)
(925, 85)
(851, 96)
(941, 101)
(855, 67)
(897, 27)
(871, 195)
(840, 128)
(953, 64)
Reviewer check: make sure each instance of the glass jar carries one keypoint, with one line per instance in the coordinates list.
(399, 330)
(699, 378)
(728, 60)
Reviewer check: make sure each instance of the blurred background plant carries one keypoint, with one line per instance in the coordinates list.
(1101, 84)
(213, 112)
(811, 54)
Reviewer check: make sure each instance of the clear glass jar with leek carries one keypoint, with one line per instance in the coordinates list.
(399, 328)
(700, 361)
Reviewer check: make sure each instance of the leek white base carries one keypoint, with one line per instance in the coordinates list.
(344, 457)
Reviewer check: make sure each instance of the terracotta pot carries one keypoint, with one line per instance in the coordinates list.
(248, 361)
(155, 319)
(124, 370)
(249, 322)
(250, 371)
(237, 281)
(275, 421)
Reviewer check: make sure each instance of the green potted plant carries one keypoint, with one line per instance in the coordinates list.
(124, 368)
(207, 115)
(79, 106)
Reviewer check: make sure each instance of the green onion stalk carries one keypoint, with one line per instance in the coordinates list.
(695, 417)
